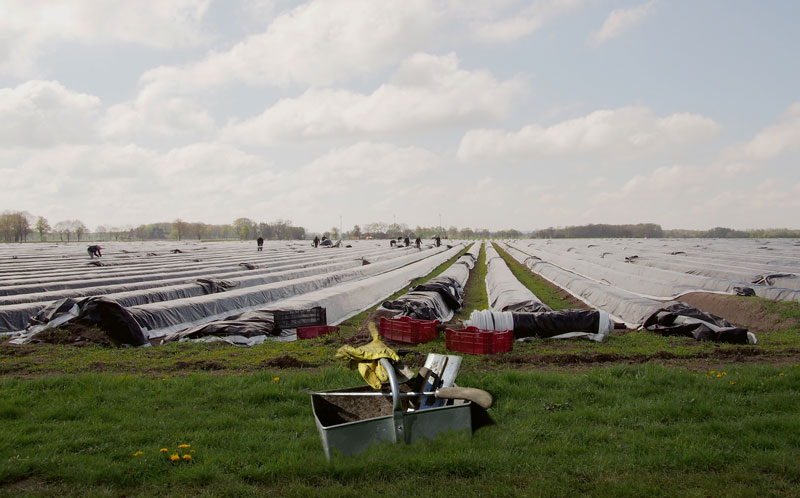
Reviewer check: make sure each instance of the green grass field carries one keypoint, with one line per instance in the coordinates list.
(637, 415)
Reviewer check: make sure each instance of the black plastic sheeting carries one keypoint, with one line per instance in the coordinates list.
(97, 311)
(248, 324)
(554, 323)
(432, 300)
(681, 319)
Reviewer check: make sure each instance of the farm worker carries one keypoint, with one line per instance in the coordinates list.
(316, 241)
(418, 242)
(438, 240)
(260, 242)
(365, 358)
(94, 251)
(392, 243)
(406, 241)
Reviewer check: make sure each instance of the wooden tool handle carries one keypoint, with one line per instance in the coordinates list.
(477, 396)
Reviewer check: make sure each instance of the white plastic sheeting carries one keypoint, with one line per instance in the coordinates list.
(645, 281)
(162, 318)
(348, 299)
(775, 262)
(16, 309)
(621, 305)
(504, 291)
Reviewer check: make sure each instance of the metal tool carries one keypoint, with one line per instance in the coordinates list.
(477, 396)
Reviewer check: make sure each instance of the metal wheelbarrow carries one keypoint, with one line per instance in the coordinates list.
(350, 425)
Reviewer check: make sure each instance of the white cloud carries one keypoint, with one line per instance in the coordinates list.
(667, 178)
(29, 28)
(776, 139)
(619, 21)
(623, 132)
(316, 43)
(427, 91)
(212, 182)
(162, 114)
(44, 113)
(349, 169)
(526, 21)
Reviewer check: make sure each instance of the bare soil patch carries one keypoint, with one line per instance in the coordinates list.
(199, 365)
(287, 361)
(74, 334)
(740, 311)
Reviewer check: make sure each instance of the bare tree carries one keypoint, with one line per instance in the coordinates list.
(79, 228)
(179, 228)
(63, 229)
(198, 229)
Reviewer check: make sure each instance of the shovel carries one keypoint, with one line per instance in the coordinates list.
(477, 396)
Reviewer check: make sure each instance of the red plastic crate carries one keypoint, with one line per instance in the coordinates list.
(473, 340)
(316, 331)
(408, 330)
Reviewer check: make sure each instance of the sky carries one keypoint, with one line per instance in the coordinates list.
(502, 114)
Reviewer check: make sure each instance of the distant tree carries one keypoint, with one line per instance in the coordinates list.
(79, 228)
(356, 232)
(197, 229)
(334, 233)
(63, 229)
(245, 228)
(42, 227)
(179, 228)
(15, 226)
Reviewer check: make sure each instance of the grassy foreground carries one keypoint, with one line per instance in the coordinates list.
(621, 431)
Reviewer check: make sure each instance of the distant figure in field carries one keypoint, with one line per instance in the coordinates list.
(418, 242)
(406, 241)
(438, 240)
(326, 242)
(94, 251)
(260, 242)
(392, 243)
(316, 241)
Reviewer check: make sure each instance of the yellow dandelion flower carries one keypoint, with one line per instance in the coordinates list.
(163, 450)
(182, 446)
(711, 371)
(724, 373)
(780, 374)
(187, 457)
(138, 453)
(276, 379)
(732, 382)
(191, 451)
(719, 375)
(174, 457)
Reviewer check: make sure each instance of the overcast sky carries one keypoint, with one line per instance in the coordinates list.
(493, 114)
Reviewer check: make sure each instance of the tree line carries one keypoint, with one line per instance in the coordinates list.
(651, 230)
(22, 226)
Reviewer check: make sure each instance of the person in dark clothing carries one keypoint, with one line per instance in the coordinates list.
(260, 242)
(418, 242)
(438, 240)
(406, 241)
(94, 251)
(392, 243)
(316, 241)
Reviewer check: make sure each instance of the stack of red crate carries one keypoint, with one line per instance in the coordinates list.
(473, 340)
(408, 330)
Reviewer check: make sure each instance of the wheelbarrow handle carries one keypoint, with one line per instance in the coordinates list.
(397, 407)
